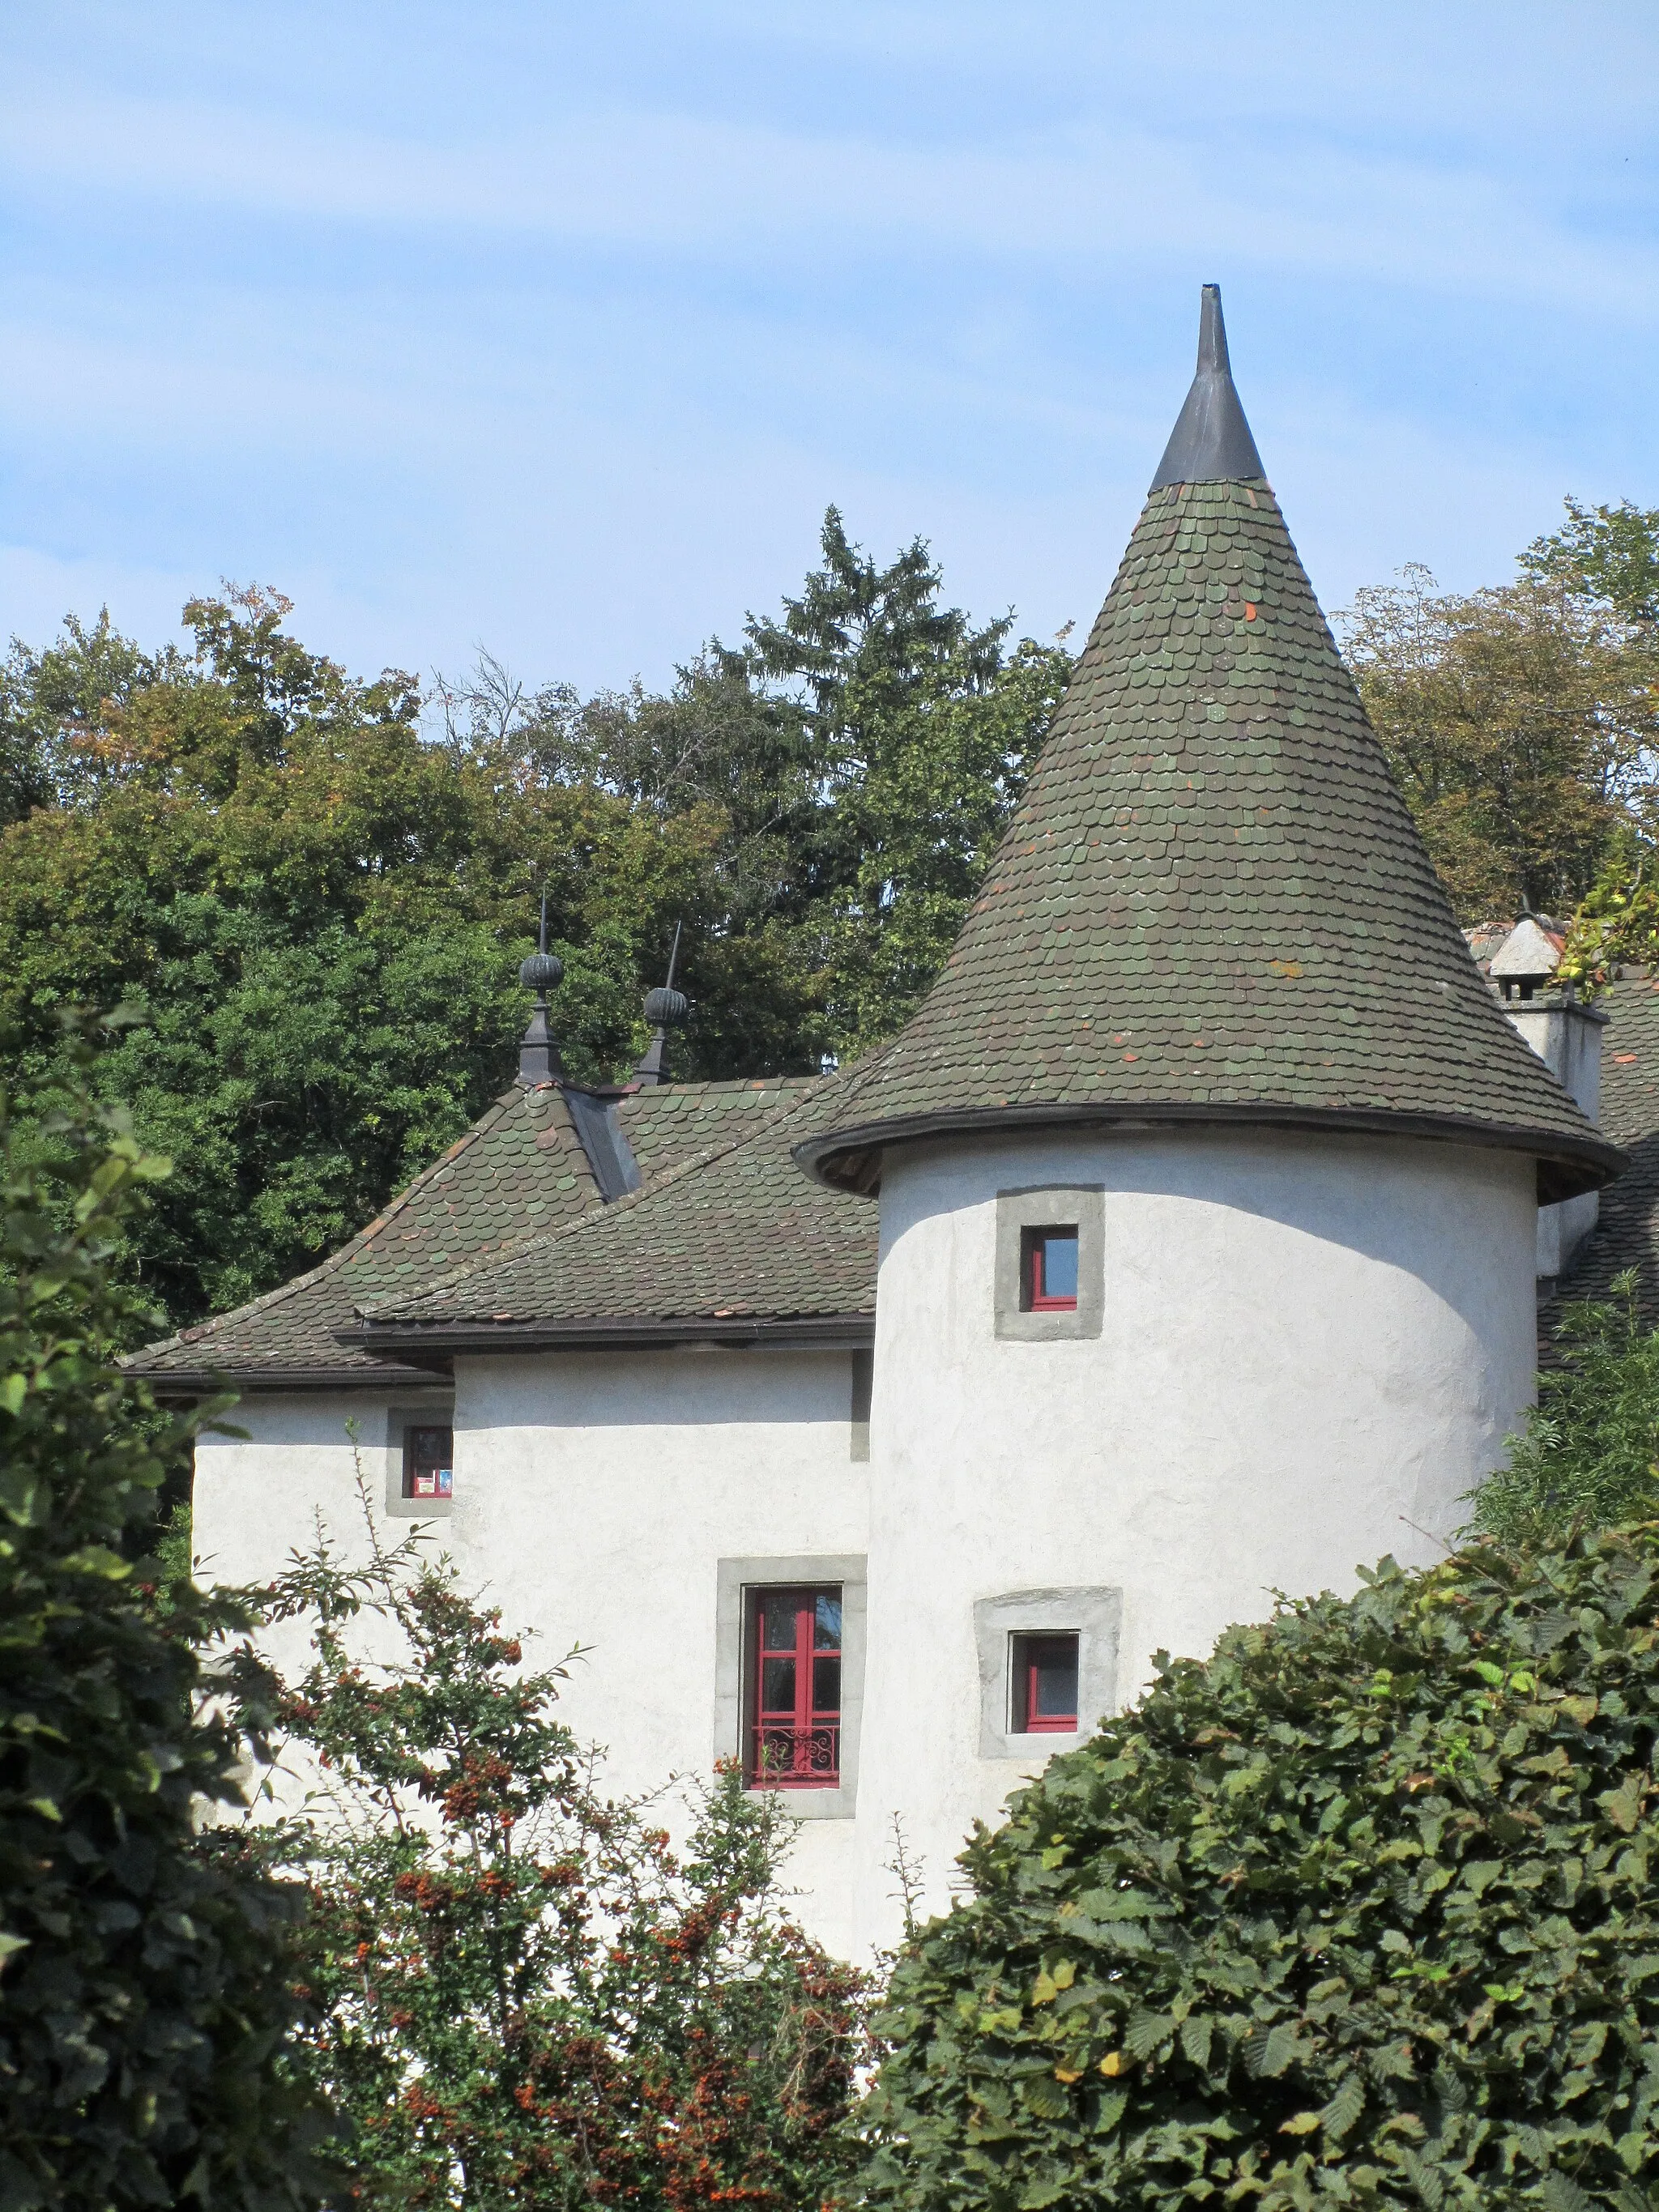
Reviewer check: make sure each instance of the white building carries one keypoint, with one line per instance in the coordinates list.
(879, 1430)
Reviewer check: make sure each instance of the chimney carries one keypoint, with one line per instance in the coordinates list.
(1567, 1037)
(538, 1055)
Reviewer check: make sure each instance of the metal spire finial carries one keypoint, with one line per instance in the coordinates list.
(538, 1055)
(665, 1008)
(1210, 442)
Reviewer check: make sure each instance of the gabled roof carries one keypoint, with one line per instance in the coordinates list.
(520, 1168)
(730, 1244)
(1213, 904)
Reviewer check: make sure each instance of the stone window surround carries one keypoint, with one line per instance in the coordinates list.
(733, 1579)
(1093, 1615)
(1052, 1206)
(423, 1410)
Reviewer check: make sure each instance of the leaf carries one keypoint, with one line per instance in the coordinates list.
(1344, 2108)
(1623, 1805)
(1196, 2032)
(1563, 2194)
(1145, 2031)
(1112, 2064)
(14, 1388)
(1299, 2123)
(1045, 2097)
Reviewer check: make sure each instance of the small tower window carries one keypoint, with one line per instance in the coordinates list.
(1049, 1273)
(1043, 1683)
(428, 1462)
(794, 1733)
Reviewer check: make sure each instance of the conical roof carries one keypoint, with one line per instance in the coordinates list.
(1212, 905)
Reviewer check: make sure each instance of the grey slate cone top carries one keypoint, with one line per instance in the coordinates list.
(1213, 906)
(1210, 442)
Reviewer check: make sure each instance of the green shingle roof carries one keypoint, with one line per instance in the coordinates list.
(1626, 1234)
(520, 1170)
(1213, 904)
(732, 1236)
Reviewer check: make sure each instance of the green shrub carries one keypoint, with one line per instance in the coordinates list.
(1357, 1911)
(1589, 1448)
(143, 1989)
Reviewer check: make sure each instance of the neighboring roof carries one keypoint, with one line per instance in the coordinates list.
(520, 1168)
(1529, 952)
(1626, 1234)
(1213, 904)
(733, 1244)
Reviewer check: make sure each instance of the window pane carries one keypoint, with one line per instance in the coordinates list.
(778, 1612)
(428, 1462)
(826, 1688)
(778, 1686)
(1060, 1265)
(826, 1625)
(1055, 1686)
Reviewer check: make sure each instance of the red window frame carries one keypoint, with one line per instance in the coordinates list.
(1037, 1295)
(793, 1733)
(430, 1459)
(1029, 1655)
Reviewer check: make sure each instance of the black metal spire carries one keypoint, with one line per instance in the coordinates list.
(1210, 442)
(664, 1008)
(538, 1055)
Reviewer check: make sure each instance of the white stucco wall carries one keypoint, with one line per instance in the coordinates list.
(1311, 1348)
(595, 1494)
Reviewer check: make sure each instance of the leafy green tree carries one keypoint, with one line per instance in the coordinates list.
(921, 731)
(144, 1979)
(1521, 723)
(1589, 1454)
(1357, 1912)
(1609, 554)
(525, 1996)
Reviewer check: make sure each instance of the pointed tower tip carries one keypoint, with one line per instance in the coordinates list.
(1210, 442)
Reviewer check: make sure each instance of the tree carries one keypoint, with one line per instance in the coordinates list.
(1520, 722)
(1590, 1452)
(1609, 554)
(1356, 1912)
(144, 1980)
(921, 731)
(524, 1996)
(319, 900)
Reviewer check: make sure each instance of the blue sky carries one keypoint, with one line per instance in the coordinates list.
(556, 326)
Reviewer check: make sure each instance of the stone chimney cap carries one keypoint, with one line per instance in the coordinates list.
(1529, 953)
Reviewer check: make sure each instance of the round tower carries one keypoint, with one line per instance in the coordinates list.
(1208, 1175)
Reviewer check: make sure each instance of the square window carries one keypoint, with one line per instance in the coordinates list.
(1043, 1685)
(792, 1738)
(1049, 1270)
(428, 1462)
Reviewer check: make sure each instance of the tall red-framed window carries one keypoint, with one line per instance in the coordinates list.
(428, 1461)
(1049, 1270)
(794, 1688)
(1044, 1684)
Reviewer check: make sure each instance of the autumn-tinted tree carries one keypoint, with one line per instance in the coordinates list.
(1520, 722)
(524, 1994)
(144, 1980)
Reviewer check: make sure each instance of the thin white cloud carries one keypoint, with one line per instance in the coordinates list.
(1099, 195)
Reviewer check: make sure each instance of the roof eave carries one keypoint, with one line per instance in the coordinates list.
(420, 1340)
(168, 1382)
(850, 1159)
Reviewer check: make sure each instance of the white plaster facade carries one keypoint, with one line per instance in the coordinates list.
(1309, 1348)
